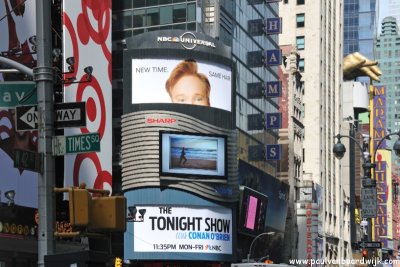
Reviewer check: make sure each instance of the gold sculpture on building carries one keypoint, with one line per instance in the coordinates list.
(356, 65)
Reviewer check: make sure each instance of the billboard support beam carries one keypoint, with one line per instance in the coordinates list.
(16, 65)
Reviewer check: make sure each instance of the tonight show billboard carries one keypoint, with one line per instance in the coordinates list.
(193, 229)
(150, 76)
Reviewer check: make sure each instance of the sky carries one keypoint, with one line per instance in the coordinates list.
(387, 8)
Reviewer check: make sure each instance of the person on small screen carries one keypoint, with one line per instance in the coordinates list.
(186, 85)
(182, 159)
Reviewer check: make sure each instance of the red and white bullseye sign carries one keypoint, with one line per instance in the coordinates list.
(87, 38)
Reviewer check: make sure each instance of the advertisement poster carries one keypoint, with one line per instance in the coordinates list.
(181, 229)
(193, 154)
(87, 38)
(276, 191)
(17, 43)
(18, 33)
(190, 82)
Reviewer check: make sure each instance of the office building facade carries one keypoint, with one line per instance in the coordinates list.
(316, 30)
(222, 23)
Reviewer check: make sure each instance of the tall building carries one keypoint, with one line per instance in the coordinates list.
(229, 23)
(291, 137)
(360, 18)
(316, 29)
(359, 27)
(220, 20)
(387, 50)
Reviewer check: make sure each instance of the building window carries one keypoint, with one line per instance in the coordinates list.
(300, 42)
(179, 13)
(301, 64)
(285, 1)
(300, 2)
(165, 15)
(152, 17)
(139, 18)
(300, 20)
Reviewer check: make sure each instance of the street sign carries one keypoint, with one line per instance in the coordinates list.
(74, 144)
(28, 160)
(70, 114)
(27, 118)
(66, 115)
(364, 244)
(368, 202)
(13, 94)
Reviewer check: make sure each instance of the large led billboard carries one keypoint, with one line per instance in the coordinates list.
(180, 229)
(253, 210)
(193, 155)
(182, 81)
(277, 192)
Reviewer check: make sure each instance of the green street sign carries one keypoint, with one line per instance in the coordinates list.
(74, 144)
(28, 160)
(13, 94)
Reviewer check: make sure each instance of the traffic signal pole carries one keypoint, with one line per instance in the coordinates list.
(43, 76)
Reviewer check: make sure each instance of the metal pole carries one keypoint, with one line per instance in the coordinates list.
(252, 243)
(43, 75)
(17, 65)
(371, 171)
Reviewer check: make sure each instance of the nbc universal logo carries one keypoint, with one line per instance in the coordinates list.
(188, 40)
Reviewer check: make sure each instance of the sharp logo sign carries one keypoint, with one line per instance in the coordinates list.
(165, 120)
(188, 40)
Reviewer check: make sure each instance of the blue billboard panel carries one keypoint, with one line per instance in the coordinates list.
(273, 120)
(273, 57)
(276, 191)
(273, 25)
(273, 152)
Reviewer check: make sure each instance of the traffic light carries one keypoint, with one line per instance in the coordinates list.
(79, 206)
(118, 262)
(108, 214)
(95, 214)
(364, 253)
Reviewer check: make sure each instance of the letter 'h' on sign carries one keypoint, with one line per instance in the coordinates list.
(273, 25)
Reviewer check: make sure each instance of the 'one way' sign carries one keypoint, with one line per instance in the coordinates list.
(66, 115)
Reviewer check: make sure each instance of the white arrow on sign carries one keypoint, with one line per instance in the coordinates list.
(30, 117)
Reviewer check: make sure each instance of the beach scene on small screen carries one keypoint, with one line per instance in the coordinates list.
(193, 153)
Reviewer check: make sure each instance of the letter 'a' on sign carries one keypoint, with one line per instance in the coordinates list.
(272, 57)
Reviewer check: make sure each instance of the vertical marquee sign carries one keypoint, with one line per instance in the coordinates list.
(378, 133)
(268, 89)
